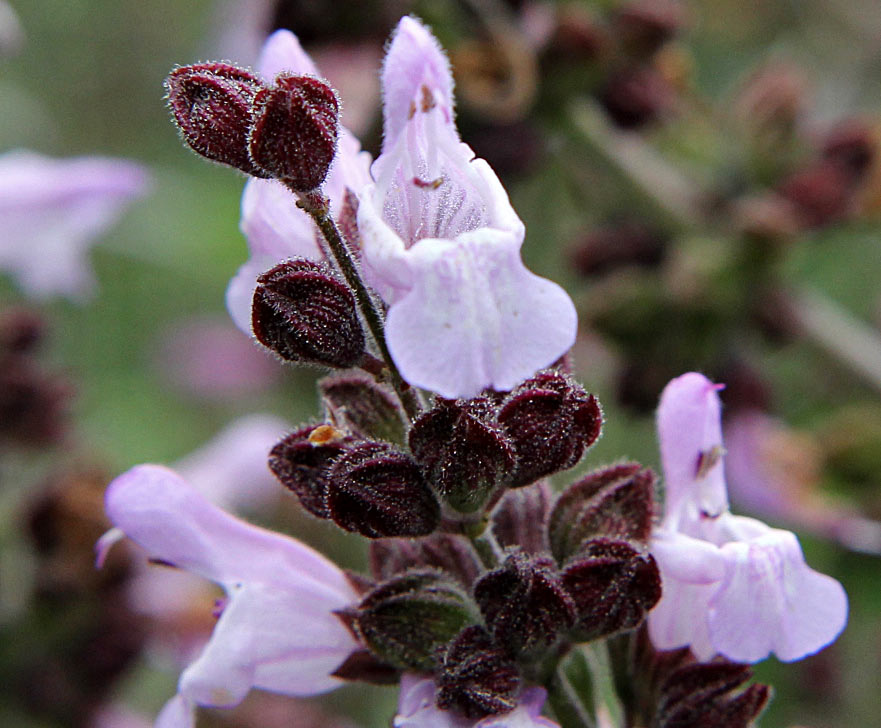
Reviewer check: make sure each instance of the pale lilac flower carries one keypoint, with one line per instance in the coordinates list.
(230, 471)
(277, 630)
(11, 33)
(417, 709)
(276, 229)
(52, 210)
(441, 242)
(731, 585)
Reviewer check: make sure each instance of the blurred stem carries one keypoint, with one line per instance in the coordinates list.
(605, 694)
(637, 169)
(318, 207)
(569, 709)
(839, 333)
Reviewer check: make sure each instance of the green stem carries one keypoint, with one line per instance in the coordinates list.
(317, 206)
(482, 539)
(605, 694)
(568, 707)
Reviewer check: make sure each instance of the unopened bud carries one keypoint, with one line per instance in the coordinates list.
(305, 314)
(521, 518)
(704, 694)
(295, 131)
(463, 451)
(476, 677)
(524, 603)
(635, 97)
(615, 502)
(405, 620)
(378, 491)
(301, 462)
(213, 106)
(629, 243)
(613, 586)
(447, 552)
(365, 408)
(551, 420)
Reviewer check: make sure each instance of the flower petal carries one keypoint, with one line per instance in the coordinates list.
(52, 210)
(282, 53)
(161, 512)
(285, 640)
(475, 317)
(231, 469)
(690, 433)
(274, 225)
(177, 713)
(414, 61)
(240, 291)
(772, 601)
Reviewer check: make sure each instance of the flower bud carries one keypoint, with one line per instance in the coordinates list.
(463, 452)
(366, 409)
(521, 517)
(628, 243)
(635, 97)
(613, 585)
(705, 694)
(615, 502)
(444, 551)
(524, 603)
(645, 25)
(213, 106)
(405, 619)
(476, 677)
(301, 462)
(377, 491)
(551, 420)
(305, 314)
(295, 131)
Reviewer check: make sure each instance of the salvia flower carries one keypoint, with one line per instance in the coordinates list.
(731, 585)
(277, 630)
(52, 210)
(441, 242)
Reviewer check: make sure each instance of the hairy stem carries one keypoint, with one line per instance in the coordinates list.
(318, 208)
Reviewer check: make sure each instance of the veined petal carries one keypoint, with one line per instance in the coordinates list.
(771, 601)
(415, 61)
(475, 317)
(175, 524)
(286, 640)
(690, 433)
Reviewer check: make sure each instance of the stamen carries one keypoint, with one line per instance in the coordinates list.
(431, 184)
(707, 460)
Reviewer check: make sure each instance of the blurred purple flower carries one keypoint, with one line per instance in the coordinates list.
(52, 210)
(417, 709)
(441, 242)
(772, 472)
(11, 33)
(210, 359)
(277, 630)
(732, 585)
